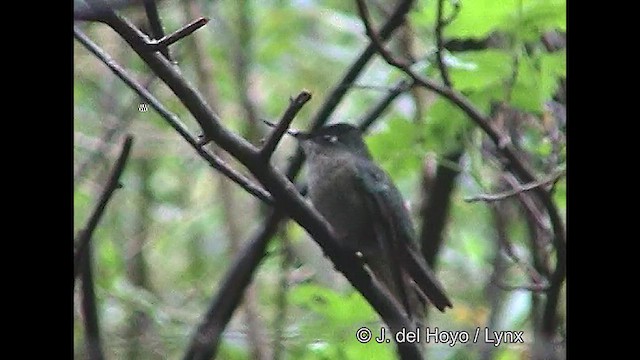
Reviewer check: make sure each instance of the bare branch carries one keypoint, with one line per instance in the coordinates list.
(164, 42)
(516, 190)
(155, 24)
(383, 104)
(504, 243)
(84, 236)
(529, 204)
(441, 23)
(276, 135)
(381, 88)
(90, 308)
(174, 121)
(528, 287)
(375, 38)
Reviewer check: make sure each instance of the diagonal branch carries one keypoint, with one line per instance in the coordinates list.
(529, 205)
(516, 190)
(184, 31)
(281, 128)
(84, 236)
(173, 121)
(375, 112)
(375, 38)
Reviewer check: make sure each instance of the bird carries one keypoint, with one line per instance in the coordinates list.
(368, 214)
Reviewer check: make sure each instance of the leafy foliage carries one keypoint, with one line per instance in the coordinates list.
(178, 221)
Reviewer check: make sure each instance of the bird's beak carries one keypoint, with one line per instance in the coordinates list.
(300, 135)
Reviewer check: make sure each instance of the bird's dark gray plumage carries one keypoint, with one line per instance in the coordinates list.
(368, 214)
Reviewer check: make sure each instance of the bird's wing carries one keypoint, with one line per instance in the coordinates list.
(373, 184)
(392, 218)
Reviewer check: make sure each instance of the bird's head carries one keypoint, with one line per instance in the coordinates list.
(331, 139)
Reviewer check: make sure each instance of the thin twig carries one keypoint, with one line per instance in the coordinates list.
(529, 204)
(440, 25)
(375, 39)
(90, 308)
(381, 88)
(382, 105)
(164, 42)
(533, 274)
(84, 236)
(516, 190)
(155, 24)
(281, 128)
(528, 287)
(174, 121)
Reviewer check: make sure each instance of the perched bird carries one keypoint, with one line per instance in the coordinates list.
(368, 214)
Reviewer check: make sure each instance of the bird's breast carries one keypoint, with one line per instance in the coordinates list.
(335, 193)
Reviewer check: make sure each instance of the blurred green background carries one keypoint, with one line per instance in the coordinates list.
(171, 232)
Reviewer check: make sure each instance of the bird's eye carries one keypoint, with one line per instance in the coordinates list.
(331, 138)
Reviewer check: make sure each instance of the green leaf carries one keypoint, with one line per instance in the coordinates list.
(537, 80)
(478, 70)
(560, 195)
(526, 19)
(396, 147)
(445, 122)
(477, 18)
(552, 66)
(535, 18)
(337, 308)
